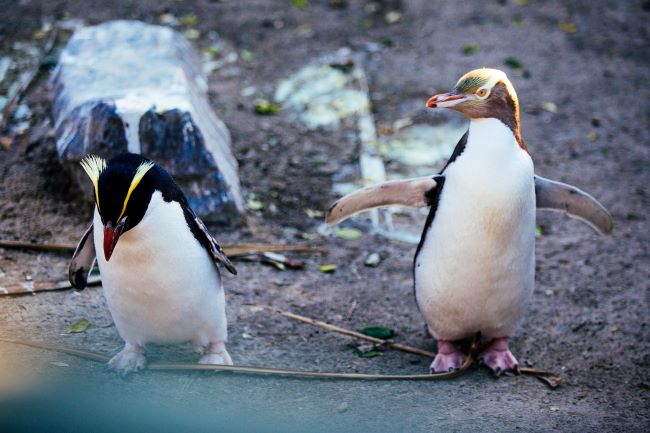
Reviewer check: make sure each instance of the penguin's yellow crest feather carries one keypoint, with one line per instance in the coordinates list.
(94, 165)
(137, 177)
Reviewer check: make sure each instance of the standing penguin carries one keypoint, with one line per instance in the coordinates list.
(474, 266)
(159, 263)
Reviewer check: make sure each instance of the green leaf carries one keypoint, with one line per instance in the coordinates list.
(368, 354)
(254, 204)
(79, 326)
(247, 55)
(377, 332)
(568, 27)
(189, 20)
(327, 268)
(538, 231)
(213, 52)
(348, 233)
(513, 63)
(300, 4)
(312, 213)
(469, 49)
(192, 34)
(266, 108)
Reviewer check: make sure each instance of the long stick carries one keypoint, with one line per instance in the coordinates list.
(31, 287)
(232, 250)
(259, 370)
(348, 332)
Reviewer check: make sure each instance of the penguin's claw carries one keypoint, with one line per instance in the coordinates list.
(498, 358)
(217, 354)
(129, 360)
(449, 358)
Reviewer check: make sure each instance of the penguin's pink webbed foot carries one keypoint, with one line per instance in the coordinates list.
(498, 358)
(449, 358)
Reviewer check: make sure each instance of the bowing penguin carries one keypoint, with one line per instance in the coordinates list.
(157, 260)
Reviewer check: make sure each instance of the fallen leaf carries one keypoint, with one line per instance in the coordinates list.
(327, 268)
(348, 233)
(392, 17)
(254, 204)
(213, 52)
(265, 107)
(300, 4)
(469, 49)
(309, 236)
(192, 34)
(518, 22)
(168, 20)
(568, 27)
(550, 107)
(247, 55)
(592, 136)
(367, 354)
(312, 213)
(189, 20)
(377, 332)
(79, 326)
(304, 30)
(521, 2)
(513, 63)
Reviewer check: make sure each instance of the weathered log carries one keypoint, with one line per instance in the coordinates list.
(130, 86)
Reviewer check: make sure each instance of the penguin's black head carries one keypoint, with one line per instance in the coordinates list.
(483, 93)
(123, 187)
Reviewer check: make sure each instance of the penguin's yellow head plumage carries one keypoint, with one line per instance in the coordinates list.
(483, 93)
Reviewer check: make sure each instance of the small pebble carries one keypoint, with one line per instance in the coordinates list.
(373, 260)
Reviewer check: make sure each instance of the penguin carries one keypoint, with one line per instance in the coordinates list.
(157, 261)
(474, 267)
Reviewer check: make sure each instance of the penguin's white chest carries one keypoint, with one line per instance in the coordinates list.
(475, 269)
(160, 284)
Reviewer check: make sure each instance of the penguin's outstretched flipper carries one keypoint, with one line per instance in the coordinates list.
(417, 192)
(574, 202)
(82, 261)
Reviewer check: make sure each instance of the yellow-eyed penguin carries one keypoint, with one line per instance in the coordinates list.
(158, 263)
(474, 267)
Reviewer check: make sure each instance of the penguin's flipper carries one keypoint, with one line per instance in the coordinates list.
(82, 260)
(417, 192)
(574, 202)
(202, 234)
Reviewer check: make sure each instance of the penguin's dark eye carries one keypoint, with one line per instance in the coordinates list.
(482, 92)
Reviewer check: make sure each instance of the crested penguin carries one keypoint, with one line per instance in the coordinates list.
(157, 261)
(474, 267)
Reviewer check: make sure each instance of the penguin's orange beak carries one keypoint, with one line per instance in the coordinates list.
(111, 236)
(445, 100)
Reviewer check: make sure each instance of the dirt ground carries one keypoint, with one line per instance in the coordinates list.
(588, 317)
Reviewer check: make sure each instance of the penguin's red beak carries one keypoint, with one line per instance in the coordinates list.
(111, 236)
(445, 100)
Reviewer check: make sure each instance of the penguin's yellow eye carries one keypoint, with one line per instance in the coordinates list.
(482, 93)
